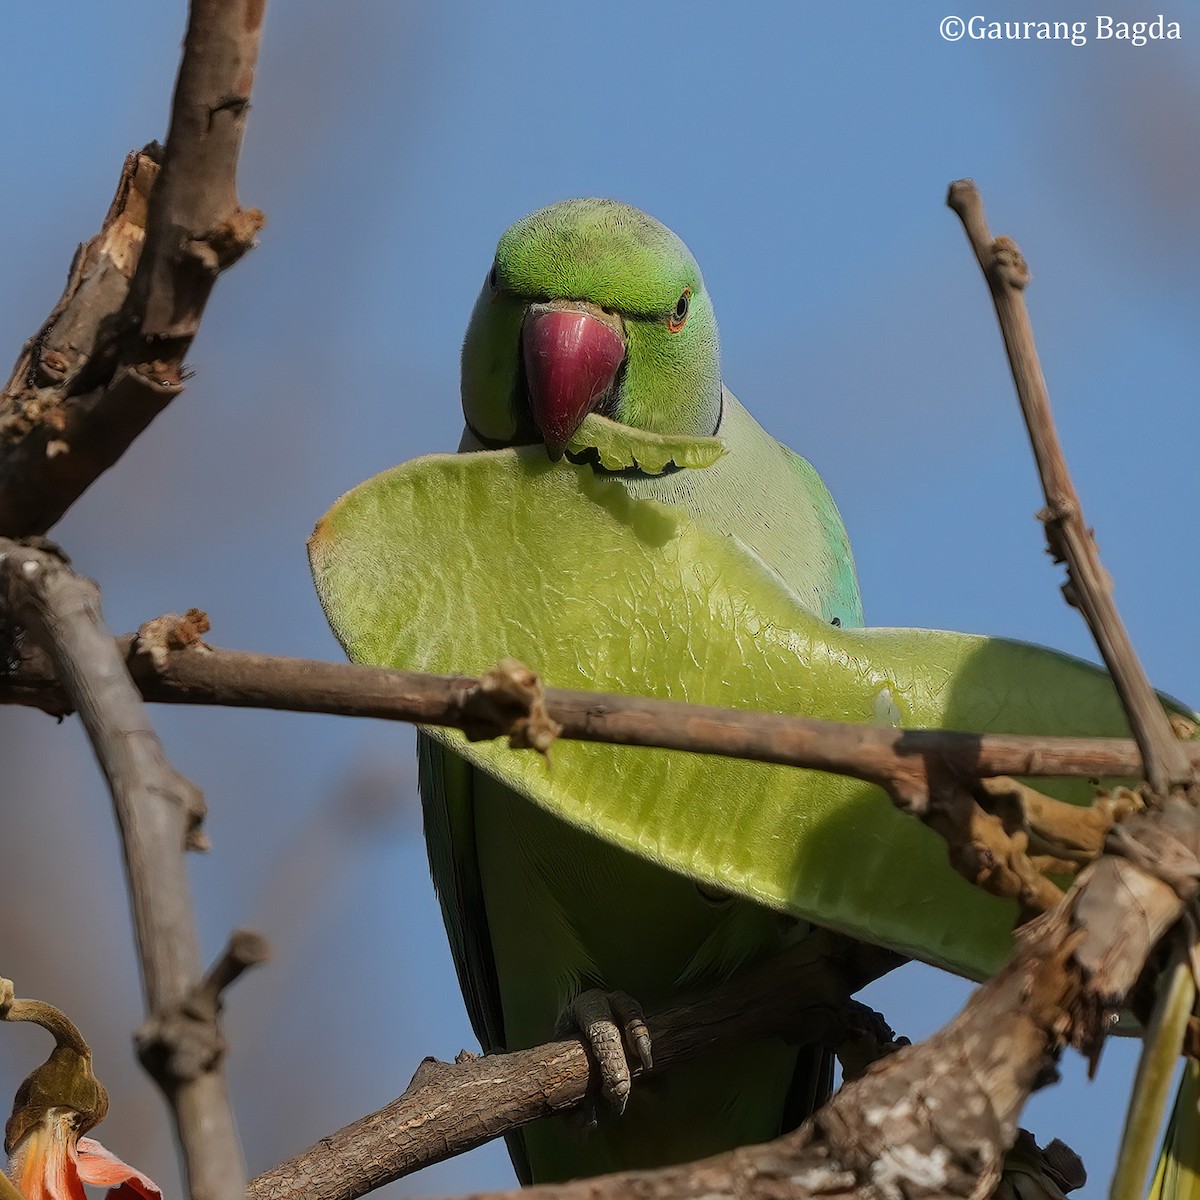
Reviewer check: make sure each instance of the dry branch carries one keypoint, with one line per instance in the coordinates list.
(110, 356)
(157, 812)
(803, 995)
(1000, 834)
(932, 1120)
(187, 672)
(1089, 586)
(106, 361)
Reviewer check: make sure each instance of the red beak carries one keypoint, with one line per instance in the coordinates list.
(571, 359)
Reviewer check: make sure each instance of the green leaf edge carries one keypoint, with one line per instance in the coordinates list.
(622, 448)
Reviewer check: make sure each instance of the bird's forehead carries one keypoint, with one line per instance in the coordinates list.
(598, 250)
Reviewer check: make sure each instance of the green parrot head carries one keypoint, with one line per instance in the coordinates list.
(590, 306)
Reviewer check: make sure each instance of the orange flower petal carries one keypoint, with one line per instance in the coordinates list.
(97, 1165)
(41, 1164)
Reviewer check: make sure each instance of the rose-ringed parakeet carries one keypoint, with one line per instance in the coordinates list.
(593, 307)
(673, 549)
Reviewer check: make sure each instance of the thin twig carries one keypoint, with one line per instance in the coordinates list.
(933, 775)
(245, 949)
(181, 1042)
(1089, 586)
(110, 356)
(157, 812)
(206, 675)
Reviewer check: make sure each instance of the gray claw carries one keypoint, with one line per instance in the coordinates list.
(627, 1012)
(602, 1018)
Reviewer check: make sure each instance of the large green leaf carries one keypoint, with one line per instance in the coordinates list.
(452, 562)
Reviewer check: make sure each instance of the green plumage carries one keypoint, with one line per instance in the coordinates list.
(598, 250)
(563, 911)
(727, 581)
(623, 261)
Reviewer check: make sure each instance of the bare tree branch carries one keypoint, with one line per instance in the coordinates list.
(246, 949)
(803, 995)
(196, 227)
(187, 672)
(1001, 834)
(110, 356)
(1089, 586)
(932, 1120)
(158, 812)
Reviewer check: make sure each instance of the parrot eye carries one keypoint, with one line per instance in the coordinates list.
(680, 312)
(492, 277)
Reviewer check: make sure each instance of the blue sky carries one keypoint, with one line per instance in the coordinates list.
(803, 151)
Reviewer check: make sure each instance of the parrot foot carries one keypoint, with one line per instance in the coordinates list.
(610, 1021)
